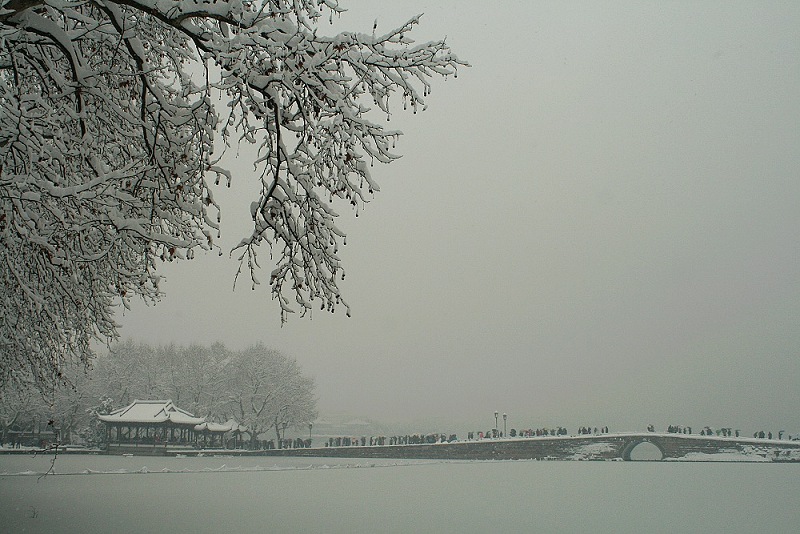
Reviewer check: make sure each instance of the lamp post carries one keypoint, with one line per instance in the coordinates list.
(496, 413)
(505, 418)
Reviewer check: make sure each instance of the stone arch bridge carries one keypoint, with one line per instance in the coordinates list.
(618, 446)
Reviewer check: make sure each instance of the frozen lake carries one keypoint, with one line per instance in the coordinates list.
(231, 494)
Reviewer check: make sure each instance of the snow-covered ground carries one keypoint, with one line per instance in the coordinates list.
(91, 494)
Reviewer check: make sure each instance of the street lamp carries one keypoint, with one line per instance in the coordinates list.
(505, 418)
(496, 413)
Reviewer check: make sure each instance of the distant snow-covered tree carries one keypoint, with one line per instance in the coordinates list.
(196, 377)
(267, 390)
(108, 152)
(132, 370)
(18, 409)
(94, 433)
(193, 376)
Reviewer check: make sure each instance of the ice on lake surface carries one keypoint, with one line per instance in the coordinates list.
(269, 494)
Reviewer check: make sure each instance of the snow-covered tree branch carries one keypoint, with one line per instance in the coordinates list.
(108, 154)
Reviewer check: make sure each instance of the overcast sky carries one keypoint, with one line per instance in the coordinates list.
(595, 224)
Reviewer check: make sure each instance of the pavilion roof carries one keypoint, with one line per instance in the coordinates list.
(151, 411)
(212, 427)
(227, 426)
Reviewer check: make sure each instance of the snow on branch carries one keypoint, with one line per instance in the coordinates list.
(106, 133)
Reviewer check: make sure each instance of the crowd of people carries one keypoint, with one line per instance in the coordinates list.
(768, 435)
(407, 439)
(677, 429)
(514, 433)
(585, 430)
(416, 439)
(725, 432)
(270, 444)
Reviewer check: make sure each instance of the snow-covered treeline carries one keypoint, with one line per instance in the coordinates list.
(261, 388)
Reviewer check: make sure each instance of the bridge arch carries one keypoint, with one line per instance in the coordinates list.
(633, 443)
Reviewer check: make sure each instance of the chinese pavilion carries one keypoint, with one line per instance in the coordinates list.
(151, 422)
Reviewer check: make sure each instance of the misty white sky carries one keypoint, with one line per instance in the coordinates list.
(595, 224)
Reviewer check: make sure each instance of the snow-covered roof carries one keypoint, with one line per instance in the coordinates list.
(235, 425)
(151, 411)
(227, 426)
(212, 427)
